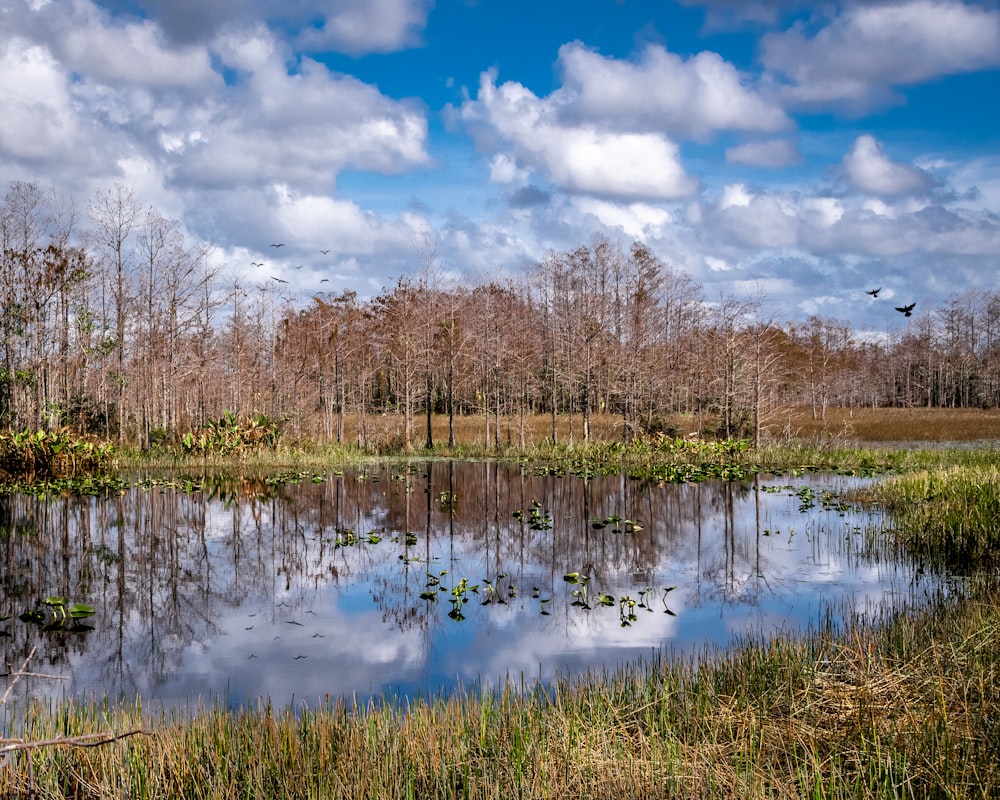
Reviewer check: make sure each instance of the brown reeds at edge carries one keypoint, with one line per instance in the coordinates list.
(906, 707)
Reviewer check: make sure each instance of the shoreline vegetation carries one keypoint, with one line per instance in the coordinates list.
(907, 705)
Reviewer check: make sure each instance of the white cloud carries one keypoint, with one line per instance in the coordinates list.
(504, 170)
(639, 221)
(299, 128)
(630, 165)
(662, 92)
(130, 54)
(870, 170)
(368, 26)
(773, 153)
(734, 194)
(717, 264)
(743, 224)
(39, 120)
(79, 84)
(349, 26)
(823, 212)
(855, 60)
(760, 221)
(576, 158)
(323, 222)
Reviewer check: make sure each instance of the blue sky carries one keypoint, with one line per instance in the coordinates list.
(803, 151)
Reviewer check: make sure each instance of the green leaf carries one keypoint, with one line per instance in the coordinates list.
(81, 611)
(55, 601)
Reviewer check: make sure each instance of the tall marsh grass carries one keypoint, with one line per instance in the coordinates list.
(948, 516)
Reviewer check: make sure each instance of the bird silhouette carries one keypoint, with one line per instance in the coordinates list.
(281, 244)
(324, 252)
(874, 292)
(905, 310)
(324, 280)
(279, 280)
(256, 263)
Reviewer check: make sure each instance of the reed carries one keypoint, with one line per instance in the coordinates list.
(949, 516)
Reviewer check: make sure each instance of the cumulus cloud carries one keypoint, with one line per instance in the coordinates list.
(368, 26)
(869, 170)
(735, 194)
(660, 91)
(234, 135)
(855, 60)
(135, 53)
(760, 221)
(77, 80)
(756, 221)
(299, 128)
(773, 153)
(342, 226)
(41, 122)
(348, 26)
(37, 116)
(503, 169)
(611, 128)
(638, 221)
(578, 158)
(822, 212)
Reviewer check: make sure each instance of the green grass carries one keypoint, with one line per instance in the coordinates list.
(948, 516)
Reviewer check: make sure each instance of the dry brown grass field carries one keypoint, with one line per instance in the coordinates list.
(884, 425)
(863, 426)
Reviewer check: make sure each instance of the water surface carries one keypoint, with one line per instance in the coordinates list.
(411, 579)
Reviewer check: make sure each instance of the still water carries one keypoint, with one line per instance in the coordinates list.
(412, 579)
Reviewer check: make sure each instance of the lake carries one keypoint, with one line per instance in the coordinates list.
(408, 579)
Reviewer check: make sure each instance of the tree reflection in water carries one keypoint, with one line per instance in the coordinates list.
(343, 585)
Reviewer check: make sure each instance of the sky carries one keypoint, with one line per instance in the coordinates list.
(802, 152)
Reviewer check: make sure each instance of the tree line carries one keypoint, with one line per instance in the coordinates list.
(112, 324)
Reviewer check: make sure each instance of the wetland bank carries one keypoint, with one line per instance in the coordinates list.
(893, 703)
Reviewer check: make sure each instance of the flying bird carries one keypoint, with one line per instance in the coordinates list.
(279, 280)
(281, 244)
(324, 280)
(256, 263)
(906, 310)
(874, 292)
(324, 252)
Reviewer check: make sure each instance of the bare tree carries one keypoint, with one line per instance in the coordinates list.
(115, 212)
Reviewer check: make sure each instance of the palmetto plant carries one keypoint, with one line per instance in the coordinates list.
(47, 454)
(233, 434)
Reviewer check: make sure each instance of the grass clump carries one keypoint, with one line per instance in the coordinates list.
(949, 517)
